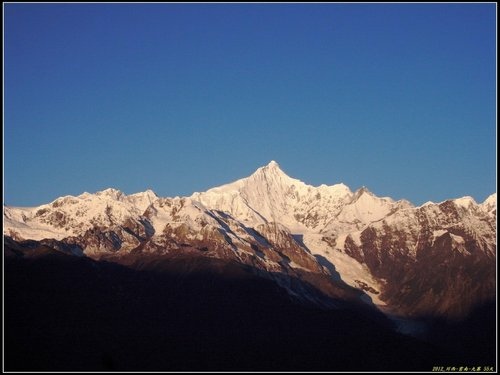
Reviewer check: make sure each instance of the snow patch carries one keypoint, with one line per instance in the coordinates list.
(350, 270)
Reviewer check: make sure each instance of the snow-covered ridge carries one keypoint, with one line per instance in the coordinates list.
(267, 195)
(322, 227)
(73, 215)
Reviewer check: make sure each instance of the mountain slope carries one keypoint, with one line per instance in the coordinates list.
(184, 313)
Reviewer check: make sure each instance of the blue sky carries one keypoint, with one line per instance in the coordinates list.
(178, 98)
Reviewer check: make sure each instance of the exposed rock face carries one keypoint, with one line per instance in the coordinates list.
(436, 259)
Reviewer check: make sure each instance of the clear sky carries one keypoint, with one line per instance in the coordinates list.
(179, 98)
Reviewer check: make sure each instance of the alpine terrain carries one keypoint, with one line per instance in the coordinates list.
(264, 273)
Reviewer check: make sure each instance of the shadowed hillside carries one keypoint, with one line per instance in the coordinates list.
(75, 314)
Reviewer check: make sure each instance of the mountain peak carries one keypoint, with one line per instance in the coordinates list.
(362, 190)
(465, 201)
(271, 166)
(111, 192)
(146, 193)
(271, 173)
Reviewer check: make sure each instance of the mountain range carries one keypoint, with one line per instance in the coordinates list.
(325, 248)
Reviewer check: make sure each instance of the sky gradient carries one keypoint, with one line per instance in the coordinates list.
(179, 98)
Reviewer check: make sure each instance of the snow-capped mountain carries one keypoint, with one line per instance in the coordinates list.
(270, 195)
(438, 258)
